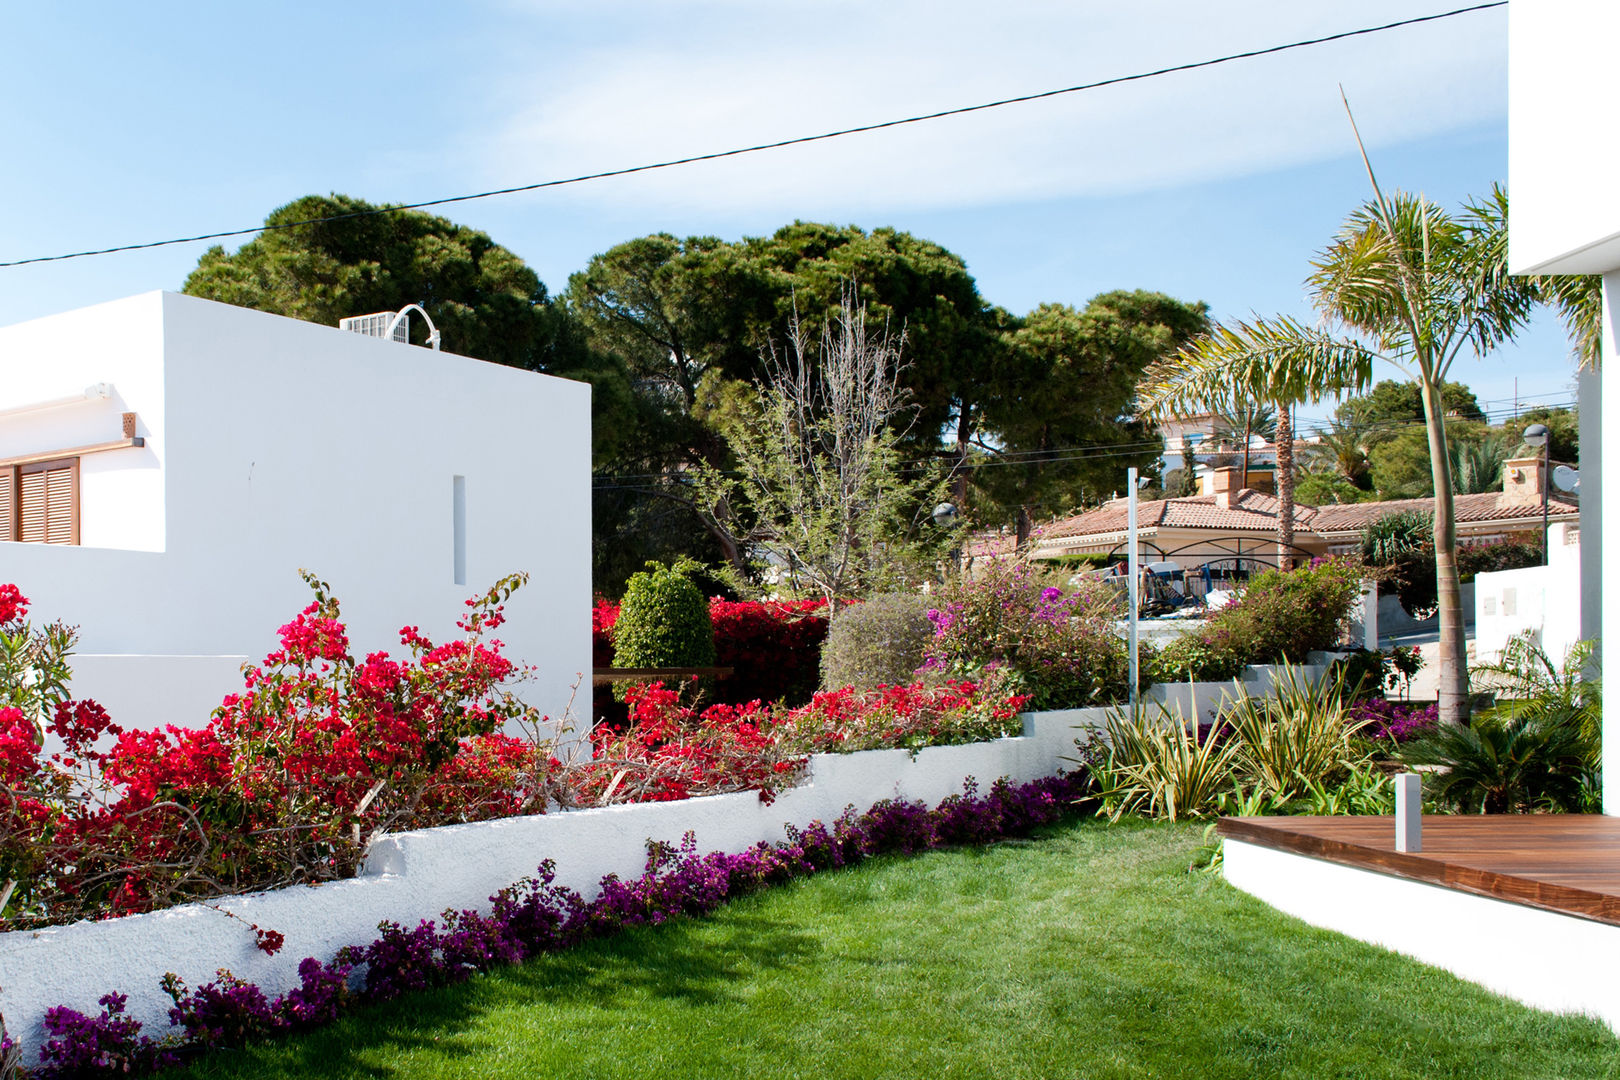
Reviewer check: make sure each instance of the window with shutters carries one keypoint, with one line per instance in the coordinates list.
(39, 502)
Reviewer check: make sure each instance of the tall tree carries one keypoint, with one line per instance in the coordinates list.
(485, 300)
(1423, 286)
(1064, 381)
(818, 491)
(1278, 362)
(1413, 285)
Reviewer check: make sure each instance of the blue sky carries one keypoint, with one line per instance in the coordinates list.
(128, 123)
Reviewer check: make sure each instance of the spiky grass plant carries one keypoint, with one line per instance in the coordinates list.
(1296, 736)
(1154, 765)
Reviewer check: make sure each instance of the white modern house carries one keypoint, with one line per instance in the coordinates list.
(168, 464)
(1527, 905)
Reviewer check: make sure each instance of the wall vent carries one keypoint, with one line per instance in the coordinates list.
(377, 325)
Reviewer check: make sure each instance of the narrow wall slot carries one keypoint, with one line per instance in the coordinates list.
(458, 516)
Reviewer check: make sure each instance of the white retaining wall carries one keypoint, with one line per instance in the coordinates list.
(416, 875)
(1542, 958)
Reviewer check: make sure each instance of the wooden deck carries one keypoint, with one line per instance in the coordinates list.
(1568, 863)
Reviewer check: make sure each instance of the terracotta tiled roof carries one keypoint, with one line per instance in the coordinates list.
(1256, 511)
(1485, 506)
(1249, 509)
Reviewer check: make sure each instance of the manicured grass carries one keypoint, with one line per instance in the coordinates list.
(1087, 953)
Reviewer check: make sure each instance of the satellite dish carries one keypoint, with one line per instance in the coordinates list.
(1565, 478)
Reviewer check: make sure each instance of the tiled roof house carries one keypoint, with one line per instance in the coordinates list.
(1243, 523)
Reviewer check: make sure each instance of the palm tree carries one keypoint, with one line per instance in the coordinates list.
(1277, 363)
(1421, 286)
(1341, 449)
(1409, 284)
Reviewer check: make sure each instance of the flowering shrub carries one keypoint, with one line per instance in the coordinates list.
(772, 647)
(1282, 615)
(532, 917)
(1395, 720)
(1061, 645)
(287, 783)
(321, 752)
(669, 750)
(902, 717)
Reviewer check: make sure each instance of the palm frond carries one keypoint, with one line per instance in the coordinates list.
(1275, 361)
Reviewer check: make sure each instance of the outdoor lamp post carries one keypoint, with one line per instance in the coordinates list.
(1536, 437)
(945, 516)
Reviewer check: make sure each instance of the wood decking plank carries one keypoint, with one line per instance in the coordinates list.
(1566, 863)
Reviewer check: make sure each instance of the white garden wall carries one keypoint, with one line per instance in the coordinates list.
(416, 875)
(274, 444)
(1542, 958)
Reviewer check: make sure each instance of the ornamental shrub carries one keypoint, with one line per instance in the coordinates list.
(663, 623)
(1282, 616)
(881, 642)
(1060, 645)
(773, 648)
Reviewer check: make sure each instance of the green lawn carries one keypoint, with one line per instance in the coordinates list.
(1087, 953)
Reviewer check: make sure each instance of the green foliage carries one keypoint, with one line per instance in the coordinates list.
(663, 622)
(1066, 377)
(1529, 683)
(1393, 406)
(1296, 735)
(1503, 764)
(484, 299)
(1322, 489)
(1564, 432)
(1282, 615)
(1538, 749)
(1151, 764)
(881, 642)
(1401, 546)
(1060, 644)
(1504, 555)
(819, 493)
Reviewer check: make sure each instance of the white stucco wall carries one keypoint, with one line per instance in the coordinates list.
(1544, 959)
(1562, 165)
(1562, 96)
(275, 444)
(417, 875)
(1541, 600)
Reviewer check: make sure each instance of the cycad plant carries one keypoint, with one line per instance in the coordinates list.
(1503, 764)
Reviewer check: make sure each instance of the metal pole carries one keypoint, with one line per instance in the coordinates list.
(1546, 482)
(1131, 563)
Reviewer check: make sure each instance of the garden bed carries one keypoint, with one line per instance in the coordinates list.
(416, 875)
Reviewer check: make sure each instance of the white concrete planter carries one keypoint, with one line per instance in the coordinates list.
(416, 875)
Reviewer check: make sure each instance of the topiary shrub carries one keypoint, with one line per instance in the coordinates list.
(879, 643)
(663, 623)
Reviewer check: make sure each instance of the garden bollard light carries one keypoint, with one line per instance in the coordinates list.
(1409, 812)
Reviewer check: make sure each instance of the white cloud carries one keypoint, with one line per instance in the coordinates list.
(660, 82)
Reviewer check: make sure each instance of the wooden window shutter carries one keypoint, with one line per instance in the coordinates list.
(8, 502)
(49, 502)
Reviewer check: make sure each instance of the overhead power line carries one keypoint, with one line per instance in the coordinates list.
(779, 144)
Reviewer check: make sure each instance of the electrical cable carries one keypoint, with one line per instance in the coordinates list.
(779, 144)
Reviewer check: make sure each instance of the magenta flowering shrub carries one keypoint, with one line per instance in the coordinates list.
(1395, 720)
(532, 917)
(1059, 645)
